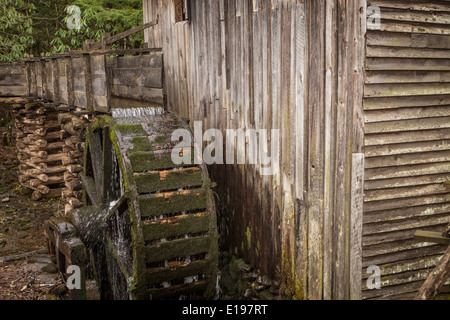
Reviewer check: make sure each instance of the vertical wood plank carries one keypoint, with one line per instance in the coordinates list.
(88, 82)
(357, 202)
(316, 154)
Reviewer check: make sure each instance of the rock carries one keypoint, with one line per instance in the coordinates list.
(258, 287)
(248, 294)
(251, 276)
(275, 291)
(59, 290)
(265, 281)
(5, 200)
(50, 268)
(40, 259)
(266, 295)
(243, 267)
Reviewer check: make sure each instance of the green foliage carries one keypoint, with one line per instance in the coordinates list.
(32, 27)
(98, 17)
(16, 29)
(47, 19)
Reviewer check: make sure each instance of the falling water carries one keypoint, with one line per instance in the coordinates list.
(112, 221)
(137, 112)
(218, 288)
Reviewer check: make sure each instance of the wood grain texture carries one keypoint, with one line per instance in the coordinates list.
(296, 66)
(406, 114)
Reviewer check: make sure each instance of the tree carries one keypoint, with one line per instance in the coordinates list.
(48, 18)
(32, 27)
(98, 17)
(16, 29)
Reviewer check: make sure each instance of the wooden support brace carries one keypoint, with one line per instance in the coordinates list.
(434, 237)
(437, 279)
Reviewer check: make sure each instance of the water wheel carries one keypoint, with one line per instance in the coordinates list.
(149, 225)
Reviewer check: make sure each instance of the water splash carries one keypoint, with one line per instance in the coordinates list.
(218, 288)
(137, 112)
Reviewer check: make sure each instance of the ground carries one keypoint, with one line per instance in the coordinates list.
(21, 233)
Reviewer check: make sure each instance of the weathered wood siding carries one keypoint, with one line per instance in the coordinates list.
(88, 80)
(13, 80)
(407, 112)
(137, 77)
(291, 65)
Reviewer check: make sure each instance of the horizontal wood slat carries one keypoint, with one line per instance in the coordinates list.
(407, 114)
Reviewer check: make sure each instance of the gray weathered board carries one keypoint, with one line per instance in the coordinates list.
(260, 64)
(13, 80)
(89, 80)
(407, 112)
(137, 77)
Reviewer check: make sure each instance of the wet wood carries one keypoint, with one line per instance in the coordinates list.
(277, 65)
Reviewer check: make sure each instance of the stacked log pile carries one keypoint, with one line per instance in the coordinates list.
(74, 129)
(50, 149)
(40, 151)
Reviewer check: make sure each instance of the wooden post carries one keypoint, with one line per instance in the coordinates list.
(358, 12)
(44, 81)
(356, 225)
(70, 93)
(33, 88)
(88, 81)
(28, 74)
(56, 89)
(105, 37)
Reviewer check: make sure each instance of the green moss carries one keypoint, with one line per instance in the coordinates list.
(161, 140)
(156, 206)
(176, 249)
(184, 225)
(147, 161)
(292, 285)
(141, 144)
(249, 237)
(152, 182)
(133, 130)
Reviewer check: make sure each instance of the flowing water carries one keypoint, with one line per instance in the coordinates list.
(136, 112)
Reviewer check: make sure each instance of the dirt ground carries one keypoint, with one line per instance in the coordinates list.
(21, 233)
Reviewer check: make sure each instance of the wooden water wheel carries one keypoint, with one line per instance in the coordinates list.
(149, 225)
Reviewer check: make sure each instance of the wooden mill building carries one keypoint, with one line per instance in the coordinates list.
(360, 91)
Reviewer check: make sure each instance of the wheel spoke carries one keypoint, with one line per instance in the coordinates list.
(95, 150)
(117, 205)
(91, 192)
(109, 159)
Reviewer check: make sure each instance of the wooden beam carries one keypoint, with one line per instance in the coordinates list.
(122, 35)
(433, 237)
(109, 52)
(437, 279)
